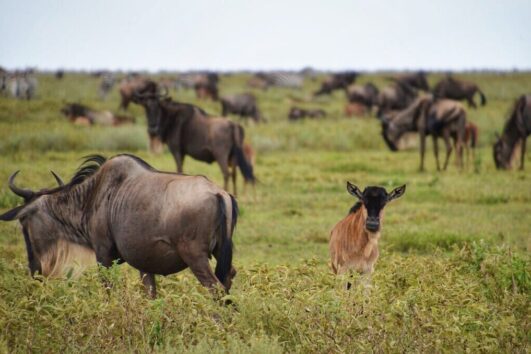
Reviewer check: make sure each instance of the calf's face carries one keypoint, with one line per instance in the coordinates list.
(374, 200)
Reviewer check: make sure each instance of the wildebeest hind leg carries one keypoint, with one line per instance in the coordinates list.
(436, 151)
(223, 162)
(446, 136)
(150, 285)
(202, 271)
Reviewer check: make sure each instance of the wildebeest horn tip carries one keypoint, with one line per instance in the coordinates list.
(58, 179)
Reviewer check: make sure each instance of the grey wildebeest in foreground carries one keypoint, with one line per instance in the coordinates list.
(188, 130)
(124, 210)
(438, 118)
(338, 81)
(516, 130)
(297, 113)
(354, 240)
(243, 105)
(454, 89)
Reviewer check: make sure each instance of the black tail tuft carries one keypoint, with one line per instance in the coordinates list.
(245, 167)
(235, 212)
(225, 248)
(483, 98)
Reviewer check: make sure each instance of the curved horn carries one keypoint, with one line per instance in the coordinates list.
(58, 179)
(24, 193)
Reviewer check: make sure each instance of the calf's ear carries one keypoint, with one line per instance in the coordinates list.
(396, 193)
(355, 191)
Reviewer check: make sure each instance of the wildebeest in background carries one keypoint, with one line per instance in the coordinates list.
(338, 81)
(59, 74)
(281, 79)
(366, 95)
(243, 104)
(417, 80)
(354, 240)
(438, 118)
(396, 96)
(188, 130)
(206, 86)
(458, 90)
(107, 83)
(297, 113)
(516, 130)
(3, 81)
(129, 85)
(82, 115)
(124, 210)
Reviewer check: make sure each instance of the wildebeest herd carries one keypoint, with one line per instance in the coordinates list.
(122, 209)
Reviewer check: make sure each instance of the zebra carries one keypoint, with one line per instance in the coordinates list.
(281, 79)
(22, 85)
(107, 83)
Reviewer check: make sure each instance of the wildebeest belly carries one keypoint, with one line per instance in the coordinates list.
(201, 154)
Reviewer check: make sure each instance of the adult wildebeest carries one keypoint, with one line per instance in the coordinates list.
(366, 95)
(438, 118)
(516, 130)
(80, 114)
(458, 90)
(296, 113)
(124, 210)
(338, 81)
(243, 105)
(188, 130)
(206, 86)
(129, 85)
(417, 80)
(396, 96)
(354, 240)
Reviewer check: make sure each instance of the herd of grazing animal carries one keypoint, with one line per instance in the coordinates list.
(122, 209)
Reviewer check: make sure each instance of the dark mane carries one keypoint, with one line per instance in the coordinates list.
(90, 166)
(140, 161)
(355, 208)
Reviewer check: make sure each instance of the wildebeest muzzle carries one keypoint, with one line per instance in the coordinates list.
(372, 223)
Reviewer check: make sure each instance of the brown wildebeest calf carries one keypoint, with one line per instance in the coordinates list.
(354, 240)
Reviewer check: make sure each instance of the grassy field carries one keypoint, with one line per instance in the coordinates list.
(453, 275)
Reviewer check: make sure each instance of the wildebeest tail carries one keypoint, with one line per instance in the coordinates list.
(245, 166)
(225, 246)
(482, 97)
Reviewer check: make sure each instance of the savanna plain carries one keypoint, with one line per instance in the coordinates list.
(453, 273)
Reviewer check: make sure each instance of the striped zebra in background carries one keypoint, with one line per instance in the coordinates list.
(277, 79)
(107, 83)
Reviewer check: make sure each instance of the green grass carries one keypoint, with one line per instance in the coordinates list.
(453, 275)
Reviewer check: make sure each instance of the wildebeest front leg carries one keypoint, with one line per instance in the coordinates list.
(436, 151)
(150, 285)
(522, 155)
(422, 150)
(179, 160)
(446, 137)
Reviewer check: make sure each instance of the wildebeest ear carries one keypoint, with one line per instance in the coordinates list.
(355, 191)
(11, 214)
(396, 193)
